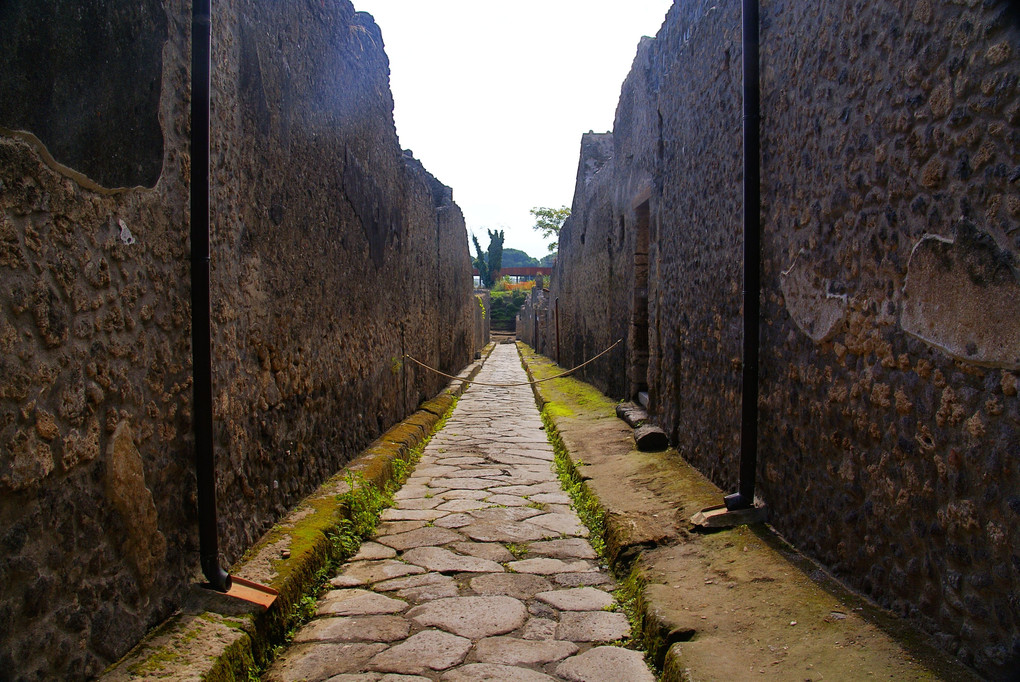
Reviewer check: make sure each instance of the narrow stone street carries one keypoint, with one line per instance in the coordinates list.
(481, 570)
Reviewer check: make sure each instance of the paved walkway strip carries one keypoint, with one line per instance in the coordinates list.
(480, 571)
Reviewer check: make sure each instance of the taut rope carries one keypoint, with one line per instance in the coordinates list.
(520, 383)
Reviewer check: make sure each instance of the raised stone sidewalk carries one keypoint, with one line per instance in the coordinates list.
(481, 571)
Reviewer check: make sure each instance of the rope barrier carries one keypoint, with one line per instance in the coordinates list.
(520, 383)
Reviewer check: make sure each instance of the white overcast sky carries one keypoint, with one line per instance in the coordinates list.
(493, 97)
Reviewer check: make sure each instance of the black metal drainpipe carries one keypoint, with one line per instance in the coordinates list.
(205, 472)
(744, 497)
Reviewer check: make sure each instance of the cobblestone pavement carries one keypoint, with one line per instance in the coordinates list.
(481, 570)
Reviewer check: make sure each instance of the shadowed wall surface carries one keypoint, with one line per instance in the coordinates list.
(333, 253)
(890, 333)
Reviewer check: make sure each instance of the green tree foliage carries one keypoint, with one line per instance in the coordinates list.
(490, 262)
(548, 221)
(515, 258)
(505, 306)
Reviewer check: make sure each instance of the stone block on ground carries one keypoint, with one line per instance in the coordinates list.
(650, 438)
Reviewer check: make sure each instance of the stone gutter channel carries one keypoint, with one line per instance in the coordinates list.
(215, 637)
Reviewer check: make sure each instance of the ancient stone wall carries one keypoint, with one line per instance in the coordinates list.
(891, 301)
(333, 253)
(533, 319)
(590, 292)
(482, 318)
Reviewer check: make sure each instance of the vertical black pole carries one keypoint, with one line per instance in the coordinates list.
(744, 498)
(557, 312)
(205, 471)
(403, 372)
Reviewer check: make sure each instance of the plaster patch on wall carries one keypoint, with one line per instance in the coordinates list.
(144, 545)
(817, 311)
(962, 296)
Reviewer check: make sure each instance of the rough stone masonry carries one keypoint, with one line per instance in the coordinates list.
(316, 210)
(890, 330)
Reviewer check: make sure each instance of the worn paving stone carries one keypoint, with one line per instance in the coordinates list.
(368, 572)
(493, 551)
(516, 585)
(429, 536)
(412, 581)
(377, 677)
(577, 599)
(425, 593)
(504, 515)
(564, 524)
(521, 475)
(507, 500)
(462, 505)
(420, 503)
(565, 548)
(592, 578)
(461, 460)
(606, 663)
(503, 531)
(463, 495)
(540, 609)
(592, 626)
(493, 672)
(433, 471)
(547, 566)
(354, 602)
(472, 617)
(312, 662)
(341, 581)
(355, 629)
(397, 514)
(411, 491)
(533, 489)
(461, 484)
(370, 551)
(445, 561)
(539, 628)
(395, 527)
(455, 521)
(514, 651)
(427, 650)
(475, 472)
(551, 498)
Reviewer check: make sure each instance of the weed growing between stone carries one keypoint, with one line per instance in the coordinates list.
(593, 516)
(587, 506)
(627, 596)
(518, 550)
(363, 503)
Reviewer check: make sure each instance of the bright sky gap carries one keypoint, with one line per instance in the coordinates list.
(493, 97)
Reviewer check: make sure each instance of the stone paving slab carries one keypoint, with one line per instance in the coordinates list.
(481, 570)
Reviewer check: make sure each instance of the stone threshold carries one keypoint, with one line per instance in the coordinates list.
(214, 637)
(723, 605)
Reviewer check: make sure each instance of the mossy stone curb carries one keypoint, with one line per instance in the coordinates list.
(706, 602)
(221, 639)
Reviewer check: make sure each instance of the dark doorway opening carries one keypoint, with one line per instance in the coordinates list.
(638, 365)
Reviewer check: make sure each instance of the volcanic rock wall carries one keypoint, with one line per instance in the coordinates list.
(333, 253)
(890, 340)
